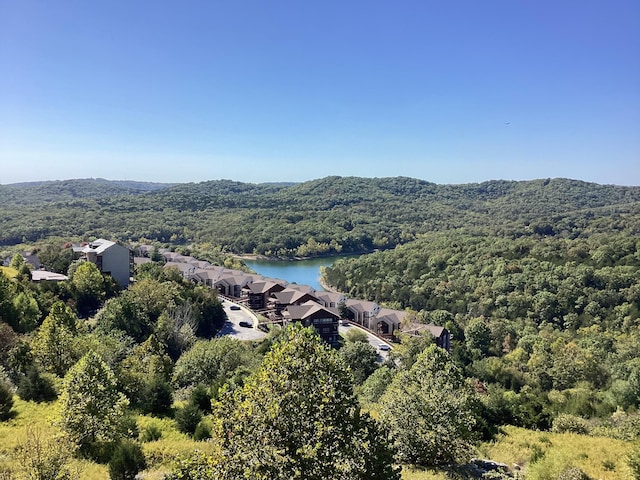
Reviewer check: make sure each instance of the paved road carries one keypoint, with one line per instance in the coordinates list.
(374, 341)
(234, 317)
(232, 325)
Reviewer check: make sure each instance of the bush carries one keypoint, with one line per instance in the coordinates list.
(45, 458)
(201, 398)
(127, 460)
(203, 432)
(573, 473)
(156, 397)
(633, 461)
(151, 433)
(565, 422)
(6, 400)
(188, 419)
(34, 387)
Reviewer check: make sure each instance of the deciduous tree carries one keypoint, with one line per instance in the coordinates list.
(297, 418)
(429, 411)
(91, 407)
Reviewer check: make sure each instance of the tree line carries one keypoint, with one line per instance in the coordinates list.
(329, 215)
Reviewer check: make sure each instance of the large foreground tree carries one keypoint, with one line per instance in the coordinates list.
(91, 407)
(429, 411)
(297, 418)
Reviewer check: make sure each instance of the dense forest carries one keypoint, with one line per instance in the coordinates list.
(538, 283)
(329, 215)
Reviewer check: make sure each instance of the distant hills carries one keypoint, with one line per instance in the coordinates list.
(326, 215)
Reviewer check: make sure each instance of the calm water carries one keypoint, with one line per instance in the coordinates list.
(302, 272)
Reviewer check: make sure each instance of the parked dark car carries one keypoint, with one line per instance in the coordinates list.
(246, 324)
(235, 307)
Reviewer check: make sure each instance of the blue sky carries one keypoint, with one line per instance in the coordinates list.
(446, 91)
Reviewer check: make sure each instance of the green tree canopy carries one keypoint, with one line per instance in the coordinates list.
(91, 407)
(209, 361)
(429, 411)
(54, 345)
(361, 358)
(297, 418)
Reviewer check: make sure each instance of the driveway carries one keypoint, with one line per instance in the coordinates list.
(232, 326)
(374, 341)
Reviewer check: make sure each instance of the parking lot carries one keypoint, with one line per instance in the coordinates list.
(240, 323)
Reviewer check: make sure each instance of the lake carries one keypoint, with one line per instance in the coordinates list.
(302, 272)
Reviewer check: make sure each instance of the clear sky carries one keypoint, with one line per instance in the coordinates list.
(449, 91)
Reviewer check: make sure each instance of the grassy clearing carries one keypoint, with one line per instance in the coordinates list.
(543, 455)
(409, 473)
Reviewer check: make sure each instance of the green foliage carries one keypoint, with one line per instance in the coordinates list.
(7, 309)
(148, 364)
(26, 309)
(156, 397)
(36, 387)
(54, 344)
(127, 460)
(201, 396)
(573, 473)
(202, 432)
(429, 410)
(210, 360)
(45, 459)
(196, 466)
(188, 418)
(151, 433)
(300, 408)
(633, 462)
(91, 407)
(566, 422)
(356, 335)
(478, 336)
(376, 384)
(361, 358)
(89, 286)
(6, 400)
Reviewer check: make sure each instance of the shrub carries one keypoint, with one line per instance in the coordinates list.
(6, 400)
(156, 397)
(45, 459)
(129, 427)
(151, 433)
(203, 432)
(127, 460)
(188, 418)
(35, 387)
(573, 473)
(201, 398)
(565, 422)
(633, 461)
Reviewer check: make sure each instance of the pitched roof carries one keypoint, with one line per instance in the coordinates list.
(300, 312)
(416, 328)
(361, 305)
(302, 288)
(394, 317)
(40, 275)
(329, 297)
(289, 296)
(264, 286)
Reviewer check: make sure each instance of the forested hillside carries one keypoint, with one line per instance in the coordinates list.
(329, 215)
(538, 283)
